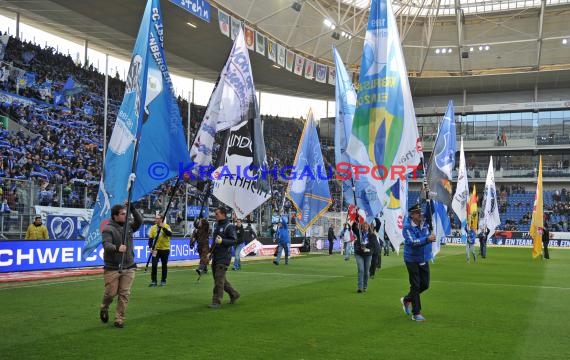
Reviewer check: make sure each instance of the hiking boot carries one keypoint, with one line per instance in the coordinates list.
(104, 315)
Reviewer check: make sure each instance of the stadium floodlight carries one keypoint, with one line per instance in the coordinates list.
(437, 51)
(296, 6)
(564, 41)
(487, 47)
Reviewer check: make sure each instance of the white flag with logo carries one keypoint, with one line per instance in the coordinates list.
(229, 104)
(491, 218)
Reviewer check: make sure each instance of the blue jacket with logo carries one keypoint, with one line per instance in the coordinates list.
(417, 248)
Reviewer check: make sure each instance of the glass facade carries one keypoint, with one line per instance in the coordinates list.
(547, 127)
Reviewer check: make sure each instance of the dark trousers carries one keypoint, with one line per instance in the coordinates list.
(163, 256)
(419, 282)
(376, 262)
(221, 284)
(331, 246)
(483, 249)
(203, 249)
(545, 247)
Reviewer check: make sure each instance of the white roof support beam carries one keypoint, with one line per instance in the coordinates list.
(540, 28)
(459, 21)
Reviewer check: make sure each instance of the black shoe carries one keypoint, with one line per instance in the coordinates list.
(275, 262)
(104, 315)
(118, 325)
(234, 299)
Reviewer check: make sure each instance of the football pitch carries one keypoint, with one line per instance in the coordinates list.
(504, 307)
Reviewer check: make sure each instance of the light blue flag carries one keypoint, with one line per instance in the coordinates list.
(149, 113)
(309, 189)
(345, 96)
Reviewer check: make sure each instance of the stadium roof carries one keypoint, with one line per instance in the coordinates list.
(472, 45)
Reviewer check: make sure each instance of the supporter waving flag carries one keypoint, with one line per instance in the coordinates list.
(149, 115)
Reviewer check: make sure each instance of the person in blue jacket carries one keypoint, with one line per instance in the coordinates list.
(417, 254)
(283, 241)
(471, 236)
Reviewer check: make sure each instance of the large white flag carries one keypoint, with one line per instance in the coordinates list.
(459, 202)
(490, 207)
(229, 104)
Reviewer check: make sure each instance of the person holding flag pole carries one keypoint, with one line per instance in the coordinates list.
(148, 129)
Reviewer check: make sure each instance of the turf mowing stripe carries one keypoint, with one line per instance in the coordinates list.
(489, 284)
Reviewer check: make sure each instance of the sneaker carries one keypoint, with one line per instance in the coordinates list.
(163, 283)
(418, 317)
(119, 325)
(234, 299)
(405, 306)
(275, 262)
(152, 284)
(104, 315)
(214, 306)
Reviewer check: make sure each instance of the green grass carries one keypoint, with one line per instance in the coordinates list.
(505, 307)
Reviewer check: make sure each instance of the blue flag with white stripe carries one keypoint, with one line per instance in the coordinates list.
(345, 96)
(149, 114)
(309, 189)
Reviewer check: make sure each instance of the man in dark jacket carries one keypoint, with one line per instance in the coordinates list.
(224, 238)
(545, 240)
(417, 254)
(118, 278)
(331, 238)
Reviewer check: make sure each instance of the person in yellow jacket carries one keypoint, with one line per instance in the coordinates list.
(161, 248)
(36, 230)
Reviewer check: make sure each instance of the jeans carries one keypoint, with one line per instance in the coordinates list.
(347, 250)
(363, 265)
(237, 257)
(163, 256)
(470, 248)
(419, 282)
(283, 247)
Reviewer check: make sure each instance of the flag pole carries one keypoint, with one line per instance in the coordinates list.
(143, 117)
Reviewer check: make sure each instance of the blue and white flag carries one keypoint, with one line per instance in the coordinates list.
(229, 104)
(148, 114)
(459, 203)
(439, 176)
(309, 189)
(345, 96)
(442, 161)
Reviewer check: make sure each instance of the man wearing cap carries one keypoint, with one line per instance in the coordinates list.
(417, 253)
